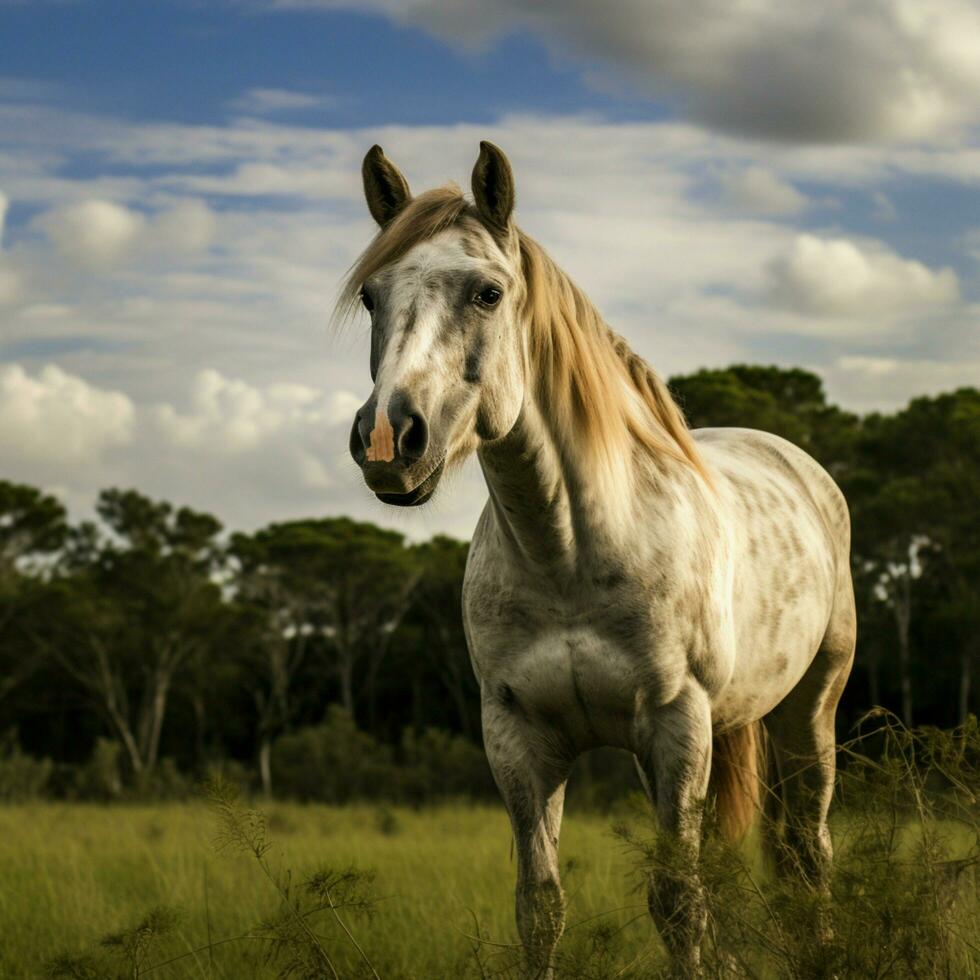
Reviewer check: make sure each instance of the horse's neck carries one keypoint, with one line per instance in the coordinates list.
(545, 500)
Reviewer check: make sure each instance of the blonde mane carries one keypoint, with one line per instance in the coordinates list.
(599, 392)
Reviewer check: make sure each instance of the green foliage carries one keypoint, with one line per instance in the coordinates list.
(333, 762)
(134, 944)
(789, 402)
(101, 777)
(77, 966)
(435, 765)
(121, 954)
(22, 777)
(31, 523)
(163, 782)
(294, 943)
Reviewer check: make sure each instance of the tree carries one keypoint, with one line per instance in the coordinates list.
(922, 481)
(135, 604)
(32, 528)
(335, 585)
(279, 638)
(32, 524)
(350, 580)
(438, 596)
(788, 402)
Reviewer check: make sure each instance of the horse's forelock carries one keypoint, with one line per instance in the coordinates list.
(421, 219)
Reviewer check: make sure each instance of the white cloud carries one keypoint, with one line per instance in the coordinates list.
(875, 366)
(10, 285)
(264, 101)
(99, 235)
(838, 71)
(188, 226)
(93, 234)
(341, 408)
(256, 451)
(230, 416)
(971, 242)
(837, 277)
(875, 383)
(760, 191)
(288, 179)
(57, 418)
(247, 452)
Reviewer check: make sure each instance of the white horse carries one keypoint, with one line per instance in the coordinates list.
(630, 582)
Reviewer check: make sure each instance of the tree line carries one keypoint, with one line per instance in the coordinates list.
(153, 631)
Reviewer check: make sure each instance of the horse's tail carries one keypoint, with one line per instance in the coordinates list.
(738, 769)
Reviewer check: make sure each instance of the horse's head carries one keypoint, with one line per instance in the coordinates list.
(442, 283)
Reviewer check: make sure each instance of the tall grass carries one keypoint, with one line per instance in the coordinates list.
(903, 899)
(72, 873)
(229, 891)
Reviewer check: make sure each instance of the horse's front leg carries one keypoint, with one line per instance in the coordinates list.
(673, 747)
(531, 770)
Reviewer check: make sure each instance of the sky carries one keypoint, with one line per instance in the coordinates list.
(766, 181)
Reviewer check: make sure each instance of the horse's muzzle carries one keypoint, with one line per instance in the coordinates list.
(419, 495)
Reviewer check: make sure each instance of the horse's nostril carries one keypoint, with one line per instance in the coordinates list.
(356, 442)
(414, 437)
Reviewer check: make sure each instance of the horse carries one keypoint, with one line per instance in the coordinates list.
(682, 594)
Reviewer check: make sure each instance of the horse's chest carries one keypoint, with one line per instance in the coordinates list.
(573, 679)
(577, 672)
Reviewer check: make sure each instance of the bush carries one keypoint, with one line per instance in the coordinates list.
(101, 777)
(230, 772)
(22, 777)
(336, 762)
(333, 762)
(438, 764)
(603, 779)
(163, 782)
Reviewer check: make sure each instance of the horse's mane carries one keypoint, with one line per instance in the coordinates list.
(599, 391)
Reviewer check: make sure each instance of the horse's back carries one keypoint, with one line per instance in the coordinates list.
(790, 534)
(748, 459)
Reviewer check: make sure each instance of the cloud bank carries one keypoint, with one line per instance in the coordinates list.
(184, 283)
(839, 71)
(837, 277)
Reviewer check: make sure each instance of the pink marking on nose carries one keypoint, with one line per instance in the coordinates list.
(382, 448)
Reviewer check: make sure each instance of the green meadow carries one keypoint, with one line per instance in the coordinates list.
(222, 890)
(75, 873)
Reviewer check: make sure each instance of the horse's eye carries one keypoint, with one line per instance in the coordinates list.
(367, 301)
(490, 296)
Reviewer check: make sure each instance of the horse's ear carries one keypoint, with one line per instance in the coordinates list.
(493, 186)
(385, 187)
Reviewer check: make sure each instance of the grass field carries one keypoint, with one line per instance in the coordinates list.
(906, 901)
(72, 873)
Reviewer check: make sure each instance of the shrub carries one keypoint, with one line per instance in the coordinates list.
(438, 764)
(230, 772)
(101, 777)
(603, 779)
(22, 777)
(333, 762)
(163, 782)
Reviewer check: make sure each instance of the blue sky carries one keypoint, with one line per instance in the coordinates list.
(179, 196)
(190, 62)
